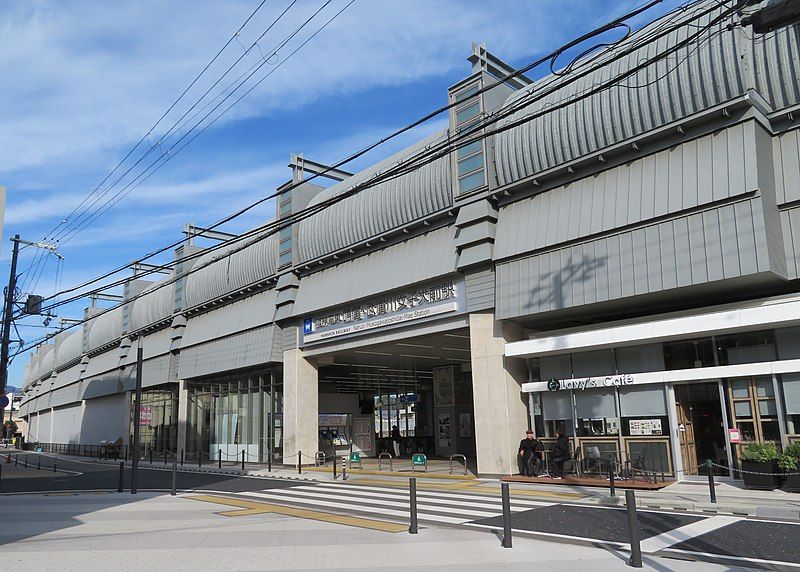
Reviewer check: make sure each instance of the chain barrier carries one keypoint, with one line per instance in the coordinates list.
(735, 470)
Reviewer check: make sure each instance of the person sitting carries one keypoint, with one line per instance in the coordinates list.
(560, 454)
(527, 458)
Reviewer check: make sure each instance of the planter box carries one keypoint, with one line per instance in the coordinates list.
(791, 483)
(761, 482)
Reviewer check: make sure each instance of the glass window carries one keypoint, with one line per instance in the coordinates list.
(285, 232)
(285, 258)
(742, 409)
(285, 209)
(740, 388)
(466, 93)
(471, 182)
(643, 401)
(468, 113)
(470, 149)
(764, 387)
(688, 354)
(470, 164)
(749, 347)
(766, 408)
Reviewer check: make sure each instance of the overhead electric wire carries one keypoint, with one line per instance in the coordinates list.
(464, 141)
(168, 153)
(392, 135)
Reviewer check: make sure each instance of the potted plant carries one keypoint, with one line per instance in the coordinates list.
(789, 463)
(760, 466)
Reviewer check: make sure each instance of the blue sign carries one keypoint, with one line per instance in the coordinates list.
(411, 398)
(308, 326)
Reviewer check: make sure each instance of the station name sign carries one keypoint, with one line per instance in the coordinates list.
(620, 380)
(438, 298)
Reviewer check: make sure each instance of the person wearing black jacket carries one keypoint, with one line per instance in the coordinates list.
(530, 455)
(560, 453)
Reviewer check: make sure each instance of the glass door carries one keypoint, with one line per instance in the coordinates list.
(701, 427)
(753, 410)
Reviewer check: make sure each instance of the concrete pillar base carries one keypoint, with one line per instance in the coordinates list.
(300, 407)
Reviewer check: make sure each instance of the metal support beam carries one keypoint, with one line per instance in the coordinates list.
(482, 60)
(300, 165)
(191, 231)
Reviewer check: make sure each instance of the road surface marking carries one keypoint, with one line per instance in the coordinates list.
(686, 532)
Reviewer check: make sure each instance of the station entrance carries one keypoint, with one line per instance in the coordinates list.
(402, 397)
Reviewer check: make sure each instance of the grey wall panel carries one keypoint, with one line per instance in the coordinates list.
(104, 362)
(786, 153)
(790, 225)
(245, 314)
(480, 290)
(400, 265)
(100, 385)
(663, 183)
(683, 251)
(234, 352)
(155, 371)
(66, 395)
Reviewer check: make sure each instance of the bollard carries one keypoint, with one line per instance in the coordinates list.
(412, 504)
(165, 455)
(182, 455)
(121, 477)
(711, 492)
(174, 477)
(299, 463)
(506, 515)
(269, 461)
(344, 468)
(199, 458)
(55, 464)
(243, 459)
(16, 460)
(334, 466)
(126, 453)
(633, 530)
(38, 463)
(611, 481)
(151, 456)
(219, 459)
(26, 461)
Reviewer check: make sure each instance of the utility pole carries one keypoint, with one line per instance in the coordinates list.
(8, 312)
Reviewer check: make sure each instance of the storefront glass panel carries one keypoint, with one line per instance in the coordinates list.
(159, 420)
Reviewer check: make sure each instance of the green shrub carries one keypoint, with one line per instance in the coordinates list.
(793, 450)
(787, 463)
(760, 452)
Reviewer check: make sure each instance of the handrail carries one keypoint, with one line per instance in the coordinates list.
(465, 463)
(319, 456)
(383, 456)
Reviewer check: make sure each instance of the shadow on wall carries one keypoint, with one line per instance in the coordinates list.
(567, 286)
(104, 419)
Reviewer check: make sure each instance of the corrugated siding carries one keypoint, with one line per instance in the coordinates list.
(790, 224)
(100, 385)
(403, 264)
(786, 150)
(661, 93)
(103, 362)
(716, 244)
(246, 349)
(65, 395)
(217, 273)
(776, 71)
(69, 375)
(244, 314)
(707, 169)
(105, 328)
(155, 371)
(375, 210)
(68, 347)
(480, 290)
(156, 304)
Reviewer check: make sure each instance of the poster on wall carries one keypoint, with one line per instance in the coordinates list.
(145, 415)
(645, 426)
(444, 430)
(443, 386)
(465, 425)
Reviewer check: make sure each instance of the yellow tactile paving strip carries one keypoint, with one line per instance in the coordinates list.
(250, 508)
(473, 486)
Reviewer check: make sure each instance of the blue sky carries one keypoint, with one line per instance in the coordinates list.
(83, 81)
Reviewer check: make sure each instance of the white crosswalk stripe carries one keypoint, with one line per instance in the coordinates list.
(434, 507)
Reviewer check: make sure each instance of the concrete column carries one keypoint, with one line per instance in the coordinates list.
(500, 407)
(183, 415)
(300, 407)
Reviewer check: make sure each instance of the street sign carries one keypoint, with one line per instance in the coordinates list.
(4, 402)
(734, 436)
(145, 415)
(355, 457)
(418, 459)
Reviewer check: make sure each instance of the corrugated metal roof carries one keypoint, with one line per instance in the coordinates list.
(420, 258)
(375, 210)
(703, 74)
(242, 268)
(105, 328)
(68, 347)
(155, 304)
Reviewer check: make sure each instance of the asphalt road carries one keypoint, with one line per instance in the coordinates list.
(73, 475)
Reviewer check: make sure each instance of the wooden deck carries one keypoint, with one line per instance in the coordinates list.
(590, 482)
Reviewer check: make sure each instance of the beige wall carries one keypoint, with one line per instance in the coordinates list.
(300, 407)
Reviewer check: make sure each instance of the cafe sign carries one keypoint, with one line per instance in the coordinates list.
(423, 302)
(582, 383)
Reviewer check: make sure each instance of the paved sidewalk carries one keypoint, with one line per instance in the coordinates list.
(106, 531)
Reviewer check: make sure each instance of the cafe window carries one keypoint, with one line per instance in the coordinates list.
(750, 347)
(596, 413)
(644, 411)
(791, 401)
(753, 408)
(557, 413)
(687, 354)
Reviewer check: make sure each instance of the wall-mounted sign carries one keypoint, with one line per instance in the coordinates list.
(438, 298)
(734, 436)
(145, 415)
(645, 426)
(592, 382)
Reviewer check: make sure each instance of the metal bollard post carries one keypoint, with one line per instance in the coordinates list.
(126, 453)
(611, 481)
(711, 492)
(412, 504)
(121, 477)
(38, 463)
(165, 455)
(55, 465)
(506, 515)
(174, 477)
(243, 459)
(219, 459)
(16, 460)
(335, 464)
(633, 530)
(26, 461)
(299, 463)
(344, 468)
(151, 456)
(199, 458)
(269, 461)
(182, 456)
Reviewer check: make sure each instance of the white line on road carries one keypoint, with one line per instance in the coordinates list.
(686, 532)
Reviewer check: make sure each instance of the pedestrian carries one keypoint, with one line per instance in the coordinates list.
(527, 455)
(560, 452)
(396, 440)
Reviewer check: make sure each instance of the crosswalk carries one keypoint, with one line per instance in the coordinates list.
(449, 508)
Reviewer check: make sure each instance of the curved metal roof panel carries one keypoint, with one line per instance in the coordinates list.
(155, 304)
(704, 73)
(375, 210)
(105, 328)
(239, 270)
(68, 347)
